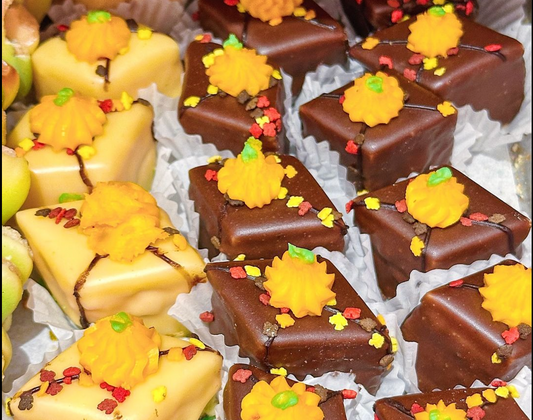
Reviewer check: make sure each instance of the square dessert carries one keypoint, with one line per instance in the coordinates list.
(102, 56)
(254, 205)
(457, 59)
(297, 35)
(298, 313)
(243, 380)
(114, 251)
(73, 146)
(480, 325)
(435, 220)
(366, 16)
(226, 106)
(121, 369)
(474, 403)
(382, 131)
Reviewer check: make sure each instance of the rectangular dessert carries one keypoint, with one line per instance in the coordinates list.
(484, 227)
(244, 313)
(298, 44)
(376, 156)
(224, 119)
(482, 331)
(468, 66)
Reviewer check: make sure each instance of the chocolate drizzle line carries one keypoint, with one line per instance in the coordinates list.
(268, 343)
(157, 252)
(424, 250)
(79, 285)
(83, 172)
(398, 406)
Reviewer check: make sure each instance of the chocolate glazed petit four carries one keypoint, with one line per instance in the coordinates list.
(457, 59)
(474, 328)
(230, 93)
(297, 35)
(435, 220)
(298, 314)
(383, 128)
(251, 391)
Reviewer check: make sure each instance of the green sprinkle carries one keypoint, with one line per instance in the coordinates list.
(206, 417)
(436, 415)
(120, 322)
(439, 176)
(232, 41)
(375, 83)
(98, 16)
(68, 197)
(302, 254)
(436, 11)
(285, 399)
(249, 153)
(255, 143)
(63, 96)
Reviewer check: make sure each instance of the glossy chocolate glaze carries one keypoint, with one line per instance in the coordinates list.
(311, 346)
(235, 391)
(297, 45)
(457, 244)
(221, 120)
(366, 16)
(456, 338)
(397, 408)
(263, 232)
(411, 142)
(477, 78)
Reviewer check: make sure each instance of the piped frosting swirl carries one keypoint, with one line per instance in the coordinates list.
(267, 10)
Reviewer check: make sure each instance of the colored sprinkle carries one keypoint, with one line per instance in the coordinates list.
(240, 257)
(120, 322)
(417, 245)
(212, 90)
(276, 75)
(493, 47)
(352, 313)
(439, 176)
(381, 319)
(490, 395)
(108, 405)
(71, 371)
(175, 354)
(264, 298)
(241, 375)
(279, 371)
(513, 391)
(409, 74)
(304, 208)
(126, 100)
(351, 147)
(197, 343)
(214, 159)
(294, 201)
(511, 335)
(372, 203)
(475, 413)
(144, 33)
(189, 352)
(394, 344)
(465, 221)
(416, 408)
(339, 321)
(98, 16)
(436, 11)
(86, 152)
(332, 302)
(232, 41)
(290, 171)
(456, 283)
(211, 175)
(159, 393)
(237, 273)
(376, 340)
(383, 61)
(478, 217)
(495, 359)
(302, 254)
(283, 193)
(252, 271)
(440, 71)
(396, 16)
(375, 84)
(285, 399)
(430, 63)
(207, 316)
(401, 206)
(191, 101)
(446, 109)
(26, 144)
(474, 400)
(63, 96)
(285, 320)
(348, 394)
(299, 12)
(502, 391)
(369, 43)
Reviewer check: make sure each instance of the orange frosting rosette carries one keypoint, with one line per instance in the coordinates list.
(97, 35)
(279, 401)
(120, 350)
(67, 120)
(507, 294)
(436, 199)
(435, 32)
(373, 99)
(267, 10)
(441, 411)
(299, 282)
(121, 219)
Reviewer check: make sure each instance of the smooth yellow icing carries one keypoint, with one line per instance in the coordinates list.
(266, 10)
(373, 99)
(120, 358)
(437, 206)
(435, 32)
(507, 294)
(304, 288)
(239, 69)
(91, 42)
(258, 404)
(70, 125)
(251, 177)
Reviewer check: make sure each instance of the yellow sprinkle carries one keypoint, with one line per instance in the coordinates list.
(275, 22)
(86, 152)
(448, 8)
(52, 336)
(197, 343)
(241, 8)
(440, 71)
(276, 74)
(339, 321)
(513, 391)
(372, 203)
(279, 371)
(290, 171)
(474, 400)
(7, 407)
(394, 344)
(175, 354)
(26, 144)
(144, 32)
(126, 100)
(252, 270)
(332, 302)
(240, 257)
(180, 242)
(502, 391)
(212, 90)
(495, 359)
(439, 2)
(124, 50)
(283, 193)
(430, 63)
(403, 19)
(208, 60)
(324, 213)
(299, 12)
(218, 51)
(446, 108)
(362, 192)
(329, 221)
(381, 319)
(377, 340)
(277, 159)
(311, 14)
(42, 389)
(214, 159)
(198, 37)
(159, 393)
(285, 320)
(490, 395)
(192, 101)
(295, 201)
(370, 43)
(85, 379)
(262, 120)
(417, 245)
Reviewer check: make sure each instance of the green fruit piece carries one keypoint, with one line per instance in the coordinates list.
(11, 288)
(7, 351)
(16, 250)
(15, 182)
(22, 64)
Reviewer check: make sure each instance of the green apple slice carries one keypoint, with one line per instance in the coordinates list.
(15, 182)
(11, 288)
(16, 250)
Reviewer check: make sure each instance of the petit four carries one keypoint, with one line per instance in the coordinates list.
(456, 58)
(383, 128)
(436, 220)
(299, 314)
(477, 327)
(255, 204)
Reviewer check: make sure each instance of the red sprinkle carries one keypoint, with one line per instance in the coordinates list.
(376, 417)
(478, 217)
(475, 413)
(272, 114)
(349, 206)
(206, 38)
(284, 310)
(465, 221)
(269, 129)
(241, 375)
(107, 387)
(348, 394)
(237, 273)
(422, 2)
(456, 283)
(460, 7)
(262, 102)
(62, 28)
(255, 130)
(359, 1)
(231, 2)
(190, 351)
(469, 8)
(71, 223)
(416, 408)
(310, 389)
(453, 51)
(396, 16)
(401, 206)
(211, 175)
(47, 376)
(70, 213)
(351, 147)
(304, 207)
(67, 380)
(106, 105)
(511, 335)
(108, 405)
(207, 316)
(416, 59)
(120, 394)
(342, 99)
(409, 74)
(54, 388)
(393, 3)
(385, 61)
(60, 215)
(493, 47)
(37, 145)
(71, 371)
(70, 152)
(352, 313)
(498, 383)
(264, 298)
